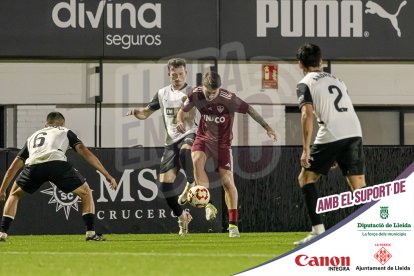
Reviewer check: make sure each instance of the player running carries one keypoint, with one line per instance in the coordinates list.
(217, 107)
(177, 151)
(339, 138)
(43, 159)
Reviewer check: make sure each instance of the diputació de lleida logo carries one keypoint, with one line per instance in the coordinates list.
(384, 212)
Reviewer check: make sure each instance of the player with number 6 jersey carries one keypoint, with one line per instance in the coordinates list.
(48, 144)
(43, 159)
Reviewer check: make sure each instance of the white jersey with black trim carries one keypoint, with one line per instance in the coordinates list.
(332, 106)
(48, 144)
(170, 101)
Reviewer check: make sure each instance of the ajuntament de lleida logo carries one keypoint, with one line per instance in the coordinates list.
(384, 212)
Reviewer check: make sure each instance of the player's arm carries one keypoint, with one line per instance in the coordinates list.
(8, 177)
(186, 107)
(91, 158)
(259, 119)
(307, 129)
(305, 102)
(141, 113)
(11, 172)
(180, 121)
(144, 113)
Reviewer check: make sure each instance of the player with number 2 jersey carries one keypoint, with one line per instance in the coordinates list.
(339, 138)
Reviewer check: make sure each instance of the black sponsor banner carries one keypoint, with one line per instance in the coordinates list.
(198, 29)
(28, 29)
(266, 178)
(358, 29)
(137, 206)
(108, 29)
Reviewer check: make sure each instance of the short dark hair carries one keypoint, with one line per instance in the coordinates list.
(310, 55)
(212, 80)
(175, 63)
(54, 117)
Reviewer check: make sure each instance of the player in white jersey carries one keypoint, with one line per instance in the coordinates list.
(177, 152)
(43, 159)
(339, 138)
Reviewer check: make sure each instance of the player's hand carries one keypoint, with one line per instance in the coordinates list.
(130, 112)
(271, 133)
(181, 127)
(304, 159)
(112, 183)
(2, 197)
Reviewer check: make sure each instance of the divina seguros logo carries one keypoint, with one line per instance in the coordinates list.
(116, 16)
(322, 18)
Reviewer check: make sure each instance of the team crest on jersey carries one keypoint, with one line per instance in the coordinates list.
(169, 111)
(64, 201)
(220, 108)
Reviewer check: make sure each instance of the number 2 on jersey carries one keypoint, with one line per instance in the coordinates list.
(331, 89)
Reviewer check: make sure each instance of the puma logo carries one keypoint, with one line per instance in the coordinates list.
(374, 8)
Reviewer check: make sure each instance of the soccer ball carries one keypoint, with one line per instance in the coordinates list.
(198, 196)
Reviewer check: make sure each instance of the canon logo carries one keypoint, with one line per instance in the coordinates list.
(114, 15)
(304, 260)
(311, 18)
(216, 119)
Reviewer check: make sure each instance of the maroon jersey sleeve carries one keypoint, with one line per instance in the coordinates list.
(238, 105)
(189, 102)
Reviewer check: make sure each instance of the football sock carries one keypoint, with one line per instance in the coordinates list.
(233, 216)
(187, 164)
(172, 200)
(318, 229)
(89, 220)
(311, 197)
(5, 224)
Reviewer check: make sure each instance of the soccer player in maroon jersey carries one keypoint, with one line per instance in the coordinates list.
(214, 135)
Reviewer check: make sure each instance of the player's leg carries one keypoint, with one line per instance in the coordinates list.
(167, 178)
(27, 182)
(231, 197)
(88, 212)
(356, 181)
(199, 157)
(186, 163)
(352, 163)
(224, 159)
(10, 209)
(322, 158)
(199, 160)
(70, 180)
(307, 182)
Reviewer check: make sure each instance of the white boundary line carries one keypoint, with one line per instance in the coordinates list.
(231, 255)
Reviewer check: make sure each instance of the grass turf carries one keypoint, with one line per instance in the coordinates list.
(132, 254)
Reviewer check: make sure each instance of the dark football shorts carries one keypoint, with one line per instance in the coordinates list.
(171, 156)
(348, 153)
(60, 173)
(221, 155)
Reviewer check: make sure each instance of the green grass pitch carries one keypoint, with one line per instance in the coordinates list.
(141, 254)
